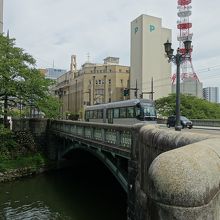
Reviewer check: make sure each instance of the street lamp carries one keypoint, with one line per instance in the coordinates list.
(178, 59)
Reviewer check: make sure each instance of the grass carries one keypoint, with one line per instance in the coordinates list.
(33, 161)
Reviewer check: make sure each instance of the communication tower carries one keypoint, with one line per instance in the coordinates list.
(184, 26)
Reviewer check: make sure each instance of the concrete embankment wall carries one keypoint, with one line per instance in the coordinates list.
(177, 176)
(37, 126)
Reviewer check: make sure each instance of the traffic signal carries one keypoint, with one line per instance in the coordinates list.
(126, 92)
(135, 94)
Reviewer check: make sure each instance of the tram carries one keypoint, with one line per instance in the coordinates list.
(123, 112)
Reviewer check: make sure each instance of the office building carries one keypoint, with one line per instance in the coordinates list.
(53, 73)
(148, 62)
(92, 84)
(211, 94)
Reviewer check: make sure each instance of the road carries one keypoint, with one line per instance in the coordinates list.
(214, 131)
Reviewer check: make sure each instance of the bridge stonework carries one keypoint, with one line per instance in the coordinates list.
(170, 175)
(174, 176)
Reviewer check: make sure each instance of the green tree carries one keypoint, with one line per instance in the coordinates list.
(190, 106)
(20, 81)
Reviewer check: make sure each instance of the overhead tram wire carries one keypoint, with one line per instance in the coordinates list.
(200, 71)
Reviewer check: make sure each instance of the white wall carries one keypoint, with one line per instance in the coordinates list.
(147, 56)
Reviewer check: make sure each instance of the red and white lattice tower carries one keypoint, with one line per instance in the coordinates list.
(184, 25)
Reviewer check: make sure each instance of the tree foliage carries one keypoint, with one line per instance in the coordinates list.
(190, 106)
(20, 82)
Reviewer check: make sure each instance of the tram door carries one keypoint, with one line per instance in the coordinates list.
(110, 116)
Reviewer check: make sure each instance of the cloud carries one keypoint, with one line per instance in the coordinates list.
(53, 30)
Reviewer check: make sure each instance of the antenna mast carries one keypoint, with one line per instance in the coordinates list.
(184, 26)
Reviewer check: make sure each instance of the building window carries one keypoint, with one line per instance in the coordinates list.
(100, 71)
(96, 82)
(121, 81)
(110, 70)
(100, 82)
(109, 81)
(91, 71)
(99, 91)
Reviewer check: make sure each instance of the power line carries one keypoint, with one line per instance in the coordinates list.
(207, 69)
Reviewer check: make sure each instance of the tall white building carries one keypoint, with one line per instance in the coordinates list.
(1, 16)
(147, 57)
(211, 94)
(190, 87)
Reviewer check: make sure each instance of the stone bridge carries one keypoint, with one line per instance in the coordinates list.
(167, 175)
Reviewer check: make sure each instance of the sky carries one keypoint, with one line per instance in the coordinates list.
(53, 30)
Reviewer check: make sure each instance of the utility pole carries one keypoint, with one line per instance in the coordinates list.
(151, 92)
(135, 89)
(90, 97)
(76, 96)
(105, 92)
(93, 90)
(152, 89)
(89, 92)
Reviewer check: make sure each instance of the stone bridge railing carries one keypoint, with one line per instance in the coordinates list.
(114, 138)
(174, 176)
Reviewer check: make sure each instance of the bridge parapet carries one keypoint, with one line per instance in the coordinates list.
(117, 136)
(175, 176)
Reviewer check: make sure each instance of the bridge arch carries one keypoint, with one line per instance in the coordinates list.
(108, 159)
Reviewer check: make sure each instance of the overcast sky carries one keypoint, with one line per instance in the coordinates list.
(52, 30)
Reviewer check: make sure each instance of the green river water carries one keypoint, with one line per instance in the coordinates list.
(84, 191)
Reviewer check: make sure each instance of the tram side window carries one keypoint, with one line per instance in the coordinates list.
(95, 114)
(109, 113)
(122, 112)
(91, 114)
(100, 113)
(138, 111)
(87, 115)
(130, 112)
(116, 113)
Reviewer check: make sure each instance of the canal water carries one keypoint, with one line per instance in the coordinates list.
(84, 191)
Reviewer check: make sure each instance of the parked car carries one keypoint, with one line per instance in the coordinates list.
(185, 122)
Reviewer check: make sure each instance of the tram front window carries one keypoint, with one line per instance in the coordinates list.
(147, 113)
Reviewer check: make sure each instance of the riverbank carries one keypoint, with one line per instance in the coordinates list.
(22, 167)
(20, 156)
(14, 170)
(13, 174)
